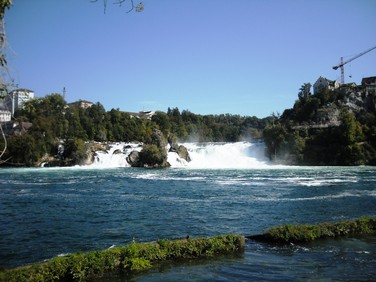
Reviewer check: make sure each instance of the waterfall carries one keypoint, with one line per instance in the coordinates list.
(202, 155)
(222, 155)
(116, 156)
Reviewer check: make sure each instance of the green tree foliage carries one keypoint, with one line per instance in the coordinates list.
(274, 136)
(210, 128)
(4, 4)
(163, 120)
(351, 134)
(304, 91)
(75, 150)
(311, 133)
(23, 150)
(152, 155)
(55, 123)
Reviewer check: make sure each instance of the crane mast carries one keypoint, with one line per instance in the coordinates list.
(342, 63)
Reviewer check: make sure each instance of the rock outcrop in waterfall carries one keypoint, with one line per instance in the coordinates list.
(154, 155)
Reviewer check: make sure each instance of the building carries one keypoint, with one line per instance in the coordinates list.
(144, 114)
(369, 83)
(147, 114)
(82, 104)
(324, 83)
(15, 99)
(5, 115)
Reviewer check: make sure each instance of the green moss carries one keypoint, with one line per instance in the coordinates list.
(134, 257)
(307, 233)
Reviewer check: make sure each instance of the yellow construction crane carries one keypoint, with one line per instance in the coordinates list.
(341, 65)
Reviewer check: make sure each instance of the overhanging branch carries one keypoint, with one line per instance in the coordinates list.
(138, 8)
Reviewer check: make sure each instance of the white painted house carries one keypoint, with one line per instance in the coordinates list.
(324, 83)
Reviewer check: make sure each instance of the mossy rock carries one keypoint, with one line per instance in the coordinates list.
(307, 233)
(132, 258)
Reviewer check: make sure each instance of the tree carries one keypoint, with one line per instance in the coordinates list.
(350, 133)
(4, 5)
(4, 78)
(163, 122)
(152, 155)
(138, 8)
(75, 150)
(274, 135)
(304, 91)
(24, 150)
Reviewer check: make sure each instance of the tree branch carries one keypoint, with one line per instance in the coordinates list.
(138, 8)
(5, 142)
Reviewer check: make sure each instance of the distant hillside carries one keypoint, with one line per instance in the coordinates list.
(50, 130)
(331, 127)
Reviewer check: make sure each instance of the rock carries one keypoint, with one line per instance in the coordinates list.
(87, 157)
(134, 159)
(183, 153)
(174, 147)
(153, 156)
(159, 139)
(117, 152)
(180, 150)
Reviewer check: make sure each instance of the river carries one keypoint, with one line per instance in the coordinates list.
(47, 212)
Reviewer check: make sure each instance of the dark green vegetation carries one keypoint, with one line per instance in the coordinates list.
(134, 257)
(332, 127)
(55, 122)
(306, 233)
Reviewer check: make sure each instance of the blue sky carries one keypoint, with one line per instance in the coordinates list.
(242, 57)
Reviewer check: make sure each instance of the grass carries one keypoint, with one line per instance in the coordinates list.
(132, 258)
(307, 233)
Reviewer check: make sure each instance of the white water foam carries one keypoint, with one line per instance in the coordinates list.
(237, 155)
(116, 156)
(222, 155)
(345, 194)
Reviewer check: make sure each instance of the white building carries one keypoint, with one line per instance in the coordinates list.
(15, 99)
(5, 115)
(144, 114)
(324, 83)
(82, 104)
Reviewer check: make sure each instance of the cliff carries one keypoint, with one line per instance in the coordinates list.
(331, 127)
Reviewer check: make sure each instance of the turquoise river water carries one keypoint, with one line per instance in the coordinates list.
(48, 212)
